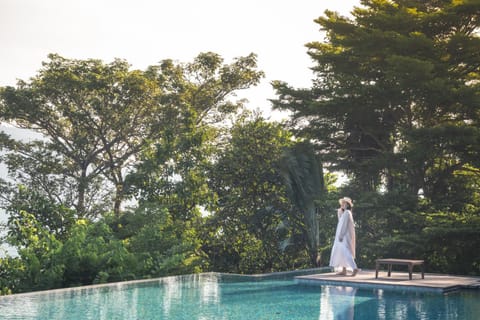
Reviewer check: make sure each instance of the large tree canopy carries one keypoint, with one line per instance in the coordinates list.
(95, 116)
(389, 79)
(250, 199)
(99, 117)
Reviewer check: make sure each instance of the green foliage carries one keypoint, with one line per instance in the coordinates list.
(250, 199)
(303, 174)
(92, 254)
(452, 242)
(197, 99)
(10, 275)
(38, 267)
(98, 120)
(449, 154)
(91, 113)
(99, 117)
(88, 255)
(384, 78)
(37, 168)
(54, 218)
(163, 246)
(395, 106)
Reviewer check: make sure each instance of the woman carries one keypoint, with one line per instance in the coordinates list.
(343, 251)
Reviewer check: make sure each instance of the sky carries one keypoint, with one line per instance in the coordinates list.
(144, 32)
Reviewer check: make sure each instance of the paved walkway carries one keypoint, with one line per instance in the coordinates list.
(399, 280)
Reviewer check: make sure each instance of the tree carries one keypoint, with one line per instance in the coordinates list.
(37, 267)
(397, 69)
(37, 172)
(303, 176)
(186, 102)
(395, 106)
(55, 219)
(96, 117)
(242, 232)
(197, 99)
(92, 254)
(163, 246)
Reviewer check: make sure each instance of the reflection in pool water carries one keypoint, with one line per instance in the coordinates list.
(219, 296)
(337, 302)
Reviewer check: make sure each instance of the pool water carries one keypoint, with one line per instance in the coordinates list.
(218, 296)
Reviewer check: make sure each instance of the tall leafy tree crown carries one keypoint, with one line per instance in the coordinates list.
(387, 80)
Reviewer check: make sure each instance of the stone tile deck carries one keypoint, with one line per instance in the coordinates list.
(398, 281)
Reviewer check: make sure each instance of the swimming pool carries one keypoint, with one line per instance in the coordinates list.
(219, 296)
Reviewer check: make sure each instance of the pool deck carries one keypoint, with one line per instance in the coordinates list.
(398, 281)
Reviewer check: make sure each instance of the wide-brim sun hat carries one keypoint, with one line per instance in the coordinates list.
(347, 200)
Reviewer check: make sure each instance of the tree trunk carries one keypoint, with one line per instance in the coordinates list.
(82, 187)
(118, 199)
(313, 237)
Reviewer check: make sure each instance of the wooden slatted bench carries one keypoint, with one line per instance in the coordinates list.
(389, 262)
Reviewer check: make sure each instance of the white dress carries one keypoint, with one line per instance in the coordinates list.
(343, 252)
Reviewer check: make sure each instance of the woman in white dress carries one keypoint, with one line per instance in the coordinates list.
(343, 250)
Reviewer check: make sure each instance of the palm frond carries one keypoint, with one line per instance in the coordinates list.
(303, 176)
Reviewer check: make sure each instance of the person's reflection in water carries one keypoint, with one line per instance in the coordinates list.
(337, 303)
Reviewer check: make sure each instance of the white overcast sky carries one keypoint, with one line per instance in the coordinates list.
(143, 32)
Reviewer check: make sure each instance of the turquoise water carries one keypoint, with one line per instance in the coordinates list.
(216, 296)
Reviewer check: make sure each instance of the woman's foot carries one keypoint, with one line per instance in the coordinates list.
(342, 273)
(355, 271)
